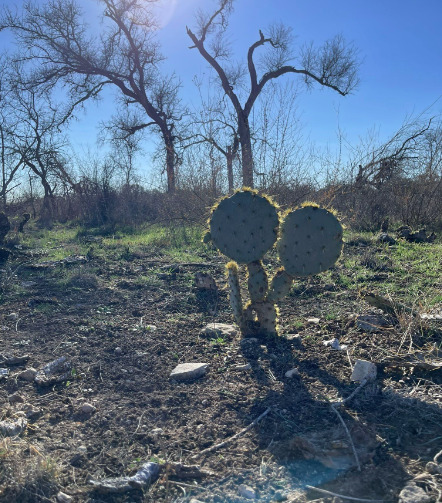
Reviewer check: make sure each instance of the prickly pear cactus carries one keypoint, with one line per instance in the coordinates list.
(310, 242)
(245, 226)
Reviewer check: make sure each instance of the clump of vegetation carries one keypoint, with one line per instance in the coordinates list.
(28, 480)
(245, 226)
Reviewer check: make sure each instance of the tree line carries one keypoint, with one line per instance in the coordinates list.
(244, 132)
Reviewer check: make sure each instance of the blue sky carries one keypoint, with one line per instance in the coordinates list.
(399, 41)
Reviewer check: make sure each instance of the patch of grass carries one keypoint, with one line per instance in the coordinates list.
(27, 478)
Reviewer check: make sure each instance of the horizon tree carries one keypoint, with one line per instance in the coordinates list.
(333, 65)
(57, 44)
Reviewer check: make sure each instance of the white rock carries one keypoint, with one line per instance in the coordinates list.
(292, 373)
(296, 338)
(87, 408)
(246, 366)
(313, 320)
(247, 492)
(362, 370)
(411, 493)
(185, 371)
(28, 374)
(334, 344)
(63, 498)
(12, 317)
(157, 431)
(219, 330)
(13, 428)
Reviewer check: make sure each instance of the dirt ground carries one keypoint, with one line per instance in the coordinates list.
(124, 325)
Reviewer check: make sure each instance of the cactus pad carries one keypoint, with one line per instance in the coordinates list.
(244, 226)
(310, 242)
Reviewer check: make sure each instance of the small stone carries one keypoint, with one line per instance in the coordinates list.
(292, 373)
(157, 432)
(246, 366)
(15, 398)
(12, 317)
(87, 408)
(54, 372)
(314, 321)
(186, 371)
(216, 330)
(372, 323)
(204, 281)
(363, 370)
(295, 338)
(63, 498)
(247, 492)
(334, 344)
(118, 351)
(411, 493)
(13, 428)
(433, 468)
(27, 375)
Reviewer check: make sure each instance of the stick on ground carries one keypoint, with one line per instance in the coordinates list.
(234, 437)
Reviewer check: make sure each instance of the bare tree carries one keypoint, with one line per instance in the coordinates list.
(215, 127)
(54, 38)
(39, 144)
(334, 65)
(10, 162)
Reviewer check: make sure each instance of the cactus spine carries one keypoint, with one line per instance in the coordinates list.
(244, 227)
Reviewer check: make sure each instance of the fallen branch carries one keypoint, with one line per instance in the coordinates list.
(335, 406)
(234, 437)
(389, 307)
(358, 464)
(329, 493)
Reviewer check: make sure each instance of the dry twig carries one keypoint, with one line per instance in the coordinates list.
(234, 437)
(329, 493)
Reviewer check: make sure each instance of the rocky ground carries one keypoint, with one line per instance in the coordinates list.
(117, 329)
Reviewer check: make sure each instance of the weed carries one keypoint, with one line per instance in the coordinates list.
(220, 341)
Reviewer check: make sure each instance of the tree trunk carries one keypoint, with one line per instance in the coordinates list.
(246, 152)
(47, 211)
(170, 162)
(229, 158)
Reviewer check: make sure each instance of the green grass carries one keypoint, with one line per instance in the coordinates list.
(179, 243)
(411, 272)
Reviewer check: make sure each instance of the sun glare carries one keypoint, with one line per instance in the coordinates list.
(164, 11)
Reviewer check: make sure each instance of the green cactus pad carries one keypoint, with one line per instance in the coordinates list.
(279, 286)
(310, 241)
(244, 226)
(257, 281)
(267, 317)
